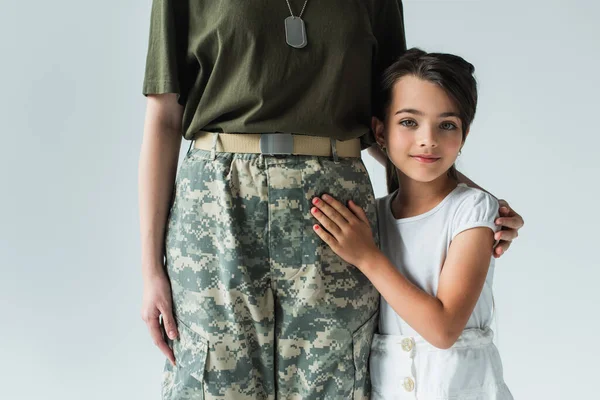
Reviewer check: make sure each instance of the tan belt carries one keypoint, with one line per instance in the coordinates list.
(277, 143)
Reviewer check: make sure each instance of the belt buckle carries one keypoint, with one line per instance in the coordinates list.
(276, 143)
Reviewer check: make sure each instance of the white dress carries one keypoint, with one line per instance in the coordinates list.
(402, 364)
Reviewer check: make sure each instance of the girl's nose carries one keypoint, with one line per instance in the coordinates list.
(427, 138)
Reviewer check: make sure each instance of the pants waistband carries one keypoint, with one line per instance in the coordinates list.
(276, 143)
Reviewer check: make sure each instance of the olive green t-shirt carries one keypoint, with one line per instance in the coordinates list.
(234, 72)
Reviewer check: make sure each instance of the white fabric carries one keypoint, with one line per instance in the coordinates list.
(409, 368)
(417, 246)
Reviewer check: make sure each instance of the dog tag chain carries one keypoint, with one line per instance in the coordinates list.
(295, 31)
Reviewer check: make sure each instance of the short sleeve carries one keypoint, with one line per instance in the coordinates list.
(166, 50)
(478, 209)
(388, 29)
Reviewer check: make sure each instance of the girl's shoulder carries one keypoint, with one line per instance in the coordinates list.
(471, 208)
(462, 192)
(466, 198)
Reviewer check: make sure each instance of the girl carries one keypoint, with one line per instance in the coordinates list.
(435, 266)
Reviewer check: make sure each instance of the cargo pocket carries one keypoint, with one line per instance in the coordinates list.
(186, 379)
(361, 347)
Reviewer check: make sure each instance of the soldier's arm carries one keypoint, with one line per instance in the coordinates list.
(157, 170)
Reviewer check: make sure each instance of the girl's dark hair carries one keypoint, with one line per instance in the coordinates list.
(452, 73)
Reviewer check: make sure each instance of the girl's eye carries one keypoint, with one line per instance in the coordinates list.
(448, 126)
(408, 123)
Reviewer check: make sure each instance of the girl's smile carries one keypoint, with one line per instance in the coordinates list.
(425, 158)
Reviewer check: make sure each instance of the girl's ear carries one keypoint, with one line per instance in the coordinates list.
(378, 129)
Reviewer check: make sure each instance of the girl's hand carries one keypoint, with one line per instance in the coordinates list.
(511, 223)
(157, 302)
(347, 231)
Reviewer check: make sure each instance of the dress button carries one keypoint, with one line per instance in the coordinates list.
(407, 344)
(409, 384)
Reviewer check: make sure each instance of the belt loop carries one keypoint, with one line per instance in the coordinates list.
(334, 151)
(213, 151)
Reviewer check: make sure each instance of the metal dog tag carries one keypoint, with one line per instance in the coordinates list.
(295, 32)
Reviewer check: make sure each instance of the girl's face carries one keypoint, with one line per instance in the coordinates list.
(422, 132)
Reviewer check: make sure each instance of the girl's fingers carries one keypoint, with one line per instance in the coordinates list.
(327, 223)
(330, 212)
(360, 213)
(325, 236)
(339, 207)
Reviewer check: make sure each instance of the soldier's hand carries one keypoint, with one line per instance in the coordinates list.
(511, 222)
(156, 303)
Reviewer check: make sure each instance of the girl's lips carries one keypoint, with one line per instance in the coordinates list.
(425, 159)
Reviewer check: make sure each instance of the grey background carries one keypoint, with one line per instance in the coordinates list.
(71, 117)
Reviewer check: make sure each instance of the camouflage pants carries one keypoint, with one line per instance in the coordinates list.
(264, 308)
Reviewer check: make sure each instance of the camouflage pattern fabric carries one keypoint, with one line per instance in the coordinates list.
(264, 308)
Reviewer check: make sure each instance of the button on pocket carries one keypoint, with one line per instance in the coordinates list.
(186, 379)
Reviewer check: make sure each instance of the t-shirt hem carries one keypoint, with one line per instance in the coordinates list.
(159, 87)
(471, 225)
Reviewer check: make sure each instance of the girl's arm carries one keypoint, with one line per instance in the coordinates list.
(440, 320)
